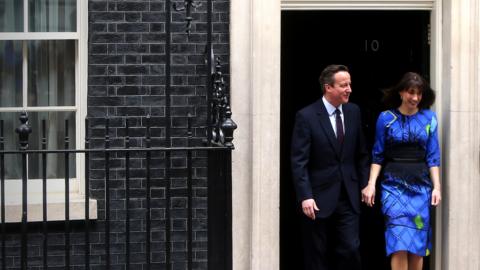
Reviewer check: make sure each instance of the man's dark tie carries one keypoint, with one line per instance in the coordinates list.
(338, 122)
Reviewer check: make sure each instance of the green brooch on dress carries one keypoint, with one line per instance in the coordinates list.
(427, 128)
(419, 222)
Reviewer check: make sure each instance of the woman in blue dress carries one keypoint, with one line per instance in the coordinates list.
(407, 153)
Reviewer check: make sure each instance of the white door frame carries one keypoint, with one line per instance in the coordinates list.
(255, 93)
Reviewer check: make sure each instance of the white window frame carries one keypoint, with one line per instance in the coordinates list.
(55, 187)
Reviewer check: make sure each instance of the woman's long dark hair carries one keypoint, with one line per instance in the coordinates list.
(391, 96)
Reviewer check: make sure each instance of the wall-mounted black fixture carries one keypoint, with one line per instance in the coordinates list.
(223, 125)
(187, 6)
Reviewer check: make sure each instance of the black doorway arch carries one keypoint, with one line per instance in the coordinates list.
(378, 47)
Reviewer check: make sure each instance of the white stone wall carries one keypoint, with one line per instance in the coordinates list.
(461, 206)
(255, 86)
(255, 97)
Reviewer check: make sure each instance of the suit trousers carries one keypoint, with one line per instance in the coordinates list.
(332, 243)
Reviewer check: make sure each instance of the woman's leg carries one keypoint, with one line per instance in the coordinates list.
(399, 260)
(415, 262)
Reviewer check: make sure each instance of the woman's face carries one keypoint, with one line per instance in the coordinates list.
(411, 98)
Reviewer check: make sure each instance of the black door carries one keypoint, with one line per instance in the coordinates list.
(378, 47)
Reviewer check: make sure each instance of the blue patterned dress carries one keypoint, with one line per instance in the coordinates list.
(406, 147)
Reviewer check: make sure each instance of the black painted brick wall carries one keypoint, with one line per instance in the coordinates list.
(126, 77)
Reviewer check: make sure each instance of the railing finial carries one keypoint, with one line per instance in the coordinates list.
(23, 130)
(228, 126)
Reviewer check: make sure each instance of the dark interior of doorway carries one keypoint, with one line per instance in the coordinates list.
(378, 47)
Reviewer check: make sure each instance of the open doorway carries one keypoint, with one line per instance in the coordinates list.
(378, 47)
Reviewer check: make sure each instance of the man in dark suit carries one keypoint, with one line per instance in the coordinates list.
(330, 167)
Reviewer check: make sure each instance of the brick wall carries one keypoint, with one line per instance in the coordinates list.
(127, 56)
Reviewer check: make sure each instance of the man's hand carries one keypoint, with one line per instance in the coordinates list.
(368, 195)
(309, 207)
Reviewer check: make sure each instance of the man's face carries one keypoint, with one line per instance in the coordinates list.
(339, 92)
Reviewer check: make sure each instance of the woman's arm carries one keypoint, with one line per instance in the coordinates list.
(437, 189)
(368, 193)
(433, 160)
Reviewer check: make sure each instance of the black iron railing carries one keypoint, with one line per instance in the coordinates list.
(219, 212)
(143, 240)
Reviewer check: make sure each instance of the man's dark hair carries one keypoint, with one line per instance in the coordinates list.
(328, 73)
(391, 97)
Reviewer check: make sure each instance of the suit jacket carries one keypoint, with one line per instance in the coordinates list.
(320, 164)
